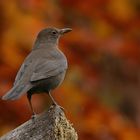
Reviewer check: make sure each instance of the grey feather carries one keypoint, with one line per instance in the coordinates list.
(43, 69)
(47, 69)
(16, 92)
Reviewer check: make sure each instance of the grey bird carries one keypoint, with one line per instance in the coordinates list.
(43, 69)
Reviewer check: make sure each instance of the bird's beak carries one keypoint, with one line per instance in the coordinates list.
(65, 30)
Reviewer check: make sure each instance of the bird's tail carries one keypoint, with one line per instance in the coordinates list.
(16, 92)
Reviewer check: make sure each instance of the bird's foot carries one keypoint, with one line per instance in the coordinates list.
(33, 116)
(62, 108)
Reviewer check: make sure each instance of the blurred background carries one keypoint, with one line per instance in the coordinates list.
(101, 92)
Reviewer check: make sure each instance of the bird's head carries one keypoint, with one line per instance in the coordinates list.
(51, 35)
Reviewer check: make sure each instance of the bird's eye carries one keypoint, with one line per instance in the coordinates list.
(54, 32)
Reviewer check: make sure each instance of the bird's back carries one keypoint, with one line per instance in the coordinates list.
(40, 64)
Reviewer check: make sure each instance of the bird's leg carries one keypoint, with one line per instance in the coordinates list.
(29, 96)
(54, 102)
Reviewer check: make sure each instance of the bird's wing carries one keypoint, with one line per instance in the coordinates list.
(47, 68)
(22, 71)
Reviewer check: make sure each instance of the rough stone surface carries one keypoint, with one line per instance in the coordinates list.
(50, 125)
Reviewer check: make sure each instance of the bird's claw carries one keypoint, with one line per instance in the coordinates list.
(62, 108)
(33, 116)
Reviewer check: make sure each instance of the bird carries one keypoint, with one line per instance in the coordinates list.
(43, 69)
